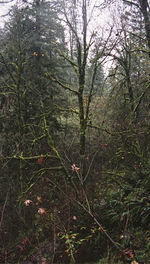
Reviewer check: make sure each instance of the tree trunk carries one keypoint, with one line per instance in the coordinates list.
(146, 13)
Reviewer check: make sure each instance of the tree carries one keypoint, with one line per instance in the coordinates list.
(79, 60)
(32, 83)
(27, 108)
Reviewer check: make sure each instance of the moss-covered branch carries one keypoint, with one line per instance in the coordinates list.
(61, 84)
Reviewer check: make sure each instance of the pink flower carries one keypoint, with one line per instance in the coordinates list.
(42, 211)
(39, 199)
(74, 168)
(43, 260)
(27, 202)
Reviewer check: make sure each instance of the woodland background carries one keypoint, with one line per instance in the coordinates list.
(75, 132)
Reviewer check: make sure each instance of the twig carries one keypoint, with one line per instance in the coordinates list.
(90, 167)
(3, 209)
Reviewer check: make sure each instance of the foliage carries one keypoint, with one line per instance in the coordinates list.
(74, 142)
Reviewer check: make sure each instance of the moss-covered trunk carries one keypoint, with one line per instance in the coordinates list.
(146, 13)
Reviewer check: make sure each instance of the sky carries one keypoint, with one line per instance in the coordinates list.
(4, 9)
(98, 22)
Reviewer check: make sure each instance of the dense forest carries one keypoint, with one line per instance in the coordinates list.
(75, 132)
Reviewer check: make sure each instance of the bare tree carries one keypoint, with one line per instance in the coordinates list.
(82, 44)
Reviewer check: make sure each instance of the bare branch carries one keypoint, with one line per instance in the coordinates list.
(131, 3)
(3, 209)
(67, 58)
(63, 85)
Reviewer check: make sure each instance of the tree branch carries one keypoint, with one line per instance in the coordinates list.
(63, 85)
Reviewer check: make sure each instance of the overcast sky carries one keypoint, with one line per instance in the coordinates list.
(4, 9)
